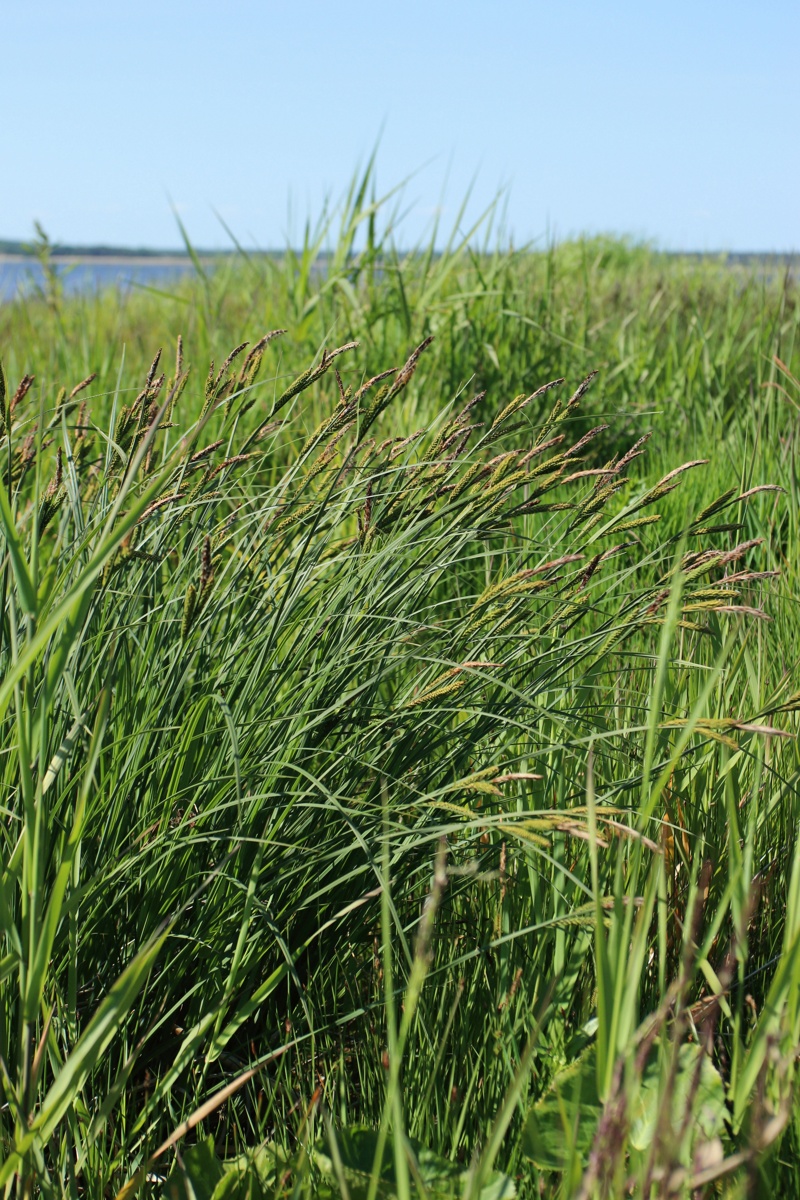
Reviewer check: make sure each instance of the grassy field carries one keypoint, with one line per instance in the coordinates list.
(398, 735)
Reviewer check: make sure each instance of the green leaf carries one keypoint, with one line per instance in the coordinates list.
(19, 564)
(254, 1174)
(86, 1056)
(98, 1035)
(41, 964)
(708, 1101)
(196, 1174)
(442, 1180)
(563, 1121)
(238, 1185)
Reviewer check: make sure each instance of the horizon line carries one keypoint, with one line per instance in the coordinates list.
(12, 249)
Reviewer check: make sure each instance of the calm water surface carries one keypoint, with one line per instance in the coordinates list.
(22, 276)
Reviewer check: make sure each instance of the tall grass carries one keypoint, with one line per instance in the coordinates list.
(398, 742)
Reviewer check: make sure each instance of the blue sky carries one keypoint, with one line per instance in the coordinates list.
(669, 121)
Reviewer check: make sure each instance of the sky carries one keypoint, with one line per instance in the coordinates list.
(668, 121)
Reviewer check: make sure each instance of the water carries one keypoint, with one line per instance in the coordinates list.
(22, 275)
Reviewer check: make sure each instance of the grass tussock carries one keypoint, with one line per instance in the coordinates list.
(398, 730)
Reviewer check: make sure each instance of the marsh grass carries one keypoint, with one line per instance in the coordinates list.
(387, 748)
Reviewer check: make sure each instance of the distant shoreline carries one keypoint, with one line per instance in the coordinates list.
(13, 252)
(79, 258)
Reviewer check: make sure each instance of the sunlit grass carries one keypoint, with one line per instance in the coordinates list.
(412, 752)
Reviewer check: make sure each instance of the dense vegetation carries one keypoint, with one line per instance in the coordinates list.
(398, 735)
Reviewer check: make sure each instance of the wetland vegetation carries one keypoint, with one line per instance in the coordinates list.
(398, 721)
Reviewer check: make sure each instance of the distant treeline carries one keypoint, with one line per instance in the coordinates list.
(30, 250)
(59, 249)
